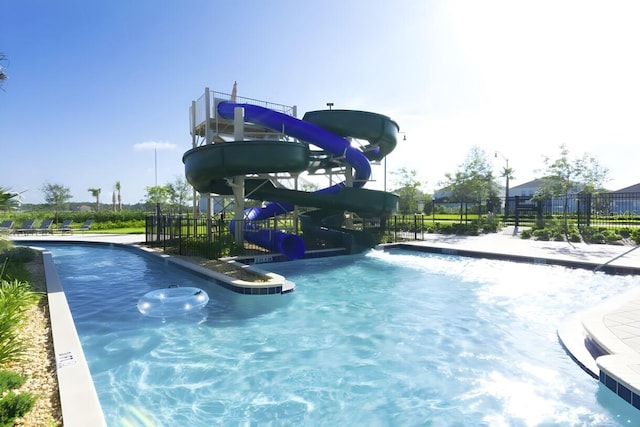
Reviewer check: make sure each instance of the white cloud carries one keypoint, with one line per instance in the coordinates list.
(154, 145)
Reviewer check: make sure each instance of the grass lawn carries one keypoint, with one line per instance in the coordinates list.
(129, 230)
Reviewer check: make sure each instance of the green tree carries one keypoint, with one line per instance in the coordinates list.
(179, 192)
(409, 192)
(56, 195)
(95, 192)
(157, 195)
(566, 175)
(474, 181)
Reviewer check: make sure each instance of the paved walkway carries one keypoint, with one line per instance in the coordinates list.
(605, 341)
(82, 237)
(507, 244)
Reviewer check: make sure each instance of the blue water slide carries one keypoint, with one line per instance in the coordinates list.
(289, 244)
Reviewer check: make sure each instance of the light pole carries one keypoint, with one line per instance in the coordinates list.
(329, 104)
(404, 138)
(155, 165)
(507, 172)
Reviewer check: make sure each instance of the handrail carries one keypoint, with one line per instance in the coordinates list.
(595, 270)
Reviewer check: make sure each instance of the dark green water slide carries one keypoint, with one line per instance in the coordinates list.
(209, 168)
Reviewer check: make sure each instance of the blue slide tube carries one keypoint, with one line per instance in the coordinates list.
(292, 245)
(304, 131)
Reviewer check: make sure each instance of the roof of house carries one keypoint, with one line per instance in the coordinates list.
(535, 183)
(631, 189)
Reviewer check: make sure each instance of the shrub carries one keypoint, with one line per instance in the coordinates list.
(574, 236)
(542, 234)
(601, 235)
(14, 405)
(10, 380)
(489, 224)
(526, 234)
(597, 237)
(625, 232)
(5, 244)
(20, 254)
(446, 228)
(15, 299)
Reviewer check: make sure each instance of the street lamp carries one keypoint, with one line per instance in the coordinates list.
(155, 191)
(404, 138)
(507, 172)
(329, 104)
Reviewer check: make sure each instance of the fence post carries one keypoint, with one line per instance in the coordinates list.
(539, 218)
(180, 234)
(517, 213)
(395, 228)
(433, 211)
(578, 210)
(275, 231)
(588, 210)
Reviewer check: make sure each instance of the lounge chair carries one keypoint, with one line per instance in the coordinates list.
(6, 226)
(45, 227)
(27, 226)
(87, 224)
(65, 227)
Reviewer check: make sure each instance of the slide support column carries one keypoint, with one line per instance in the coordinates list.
(238, 181)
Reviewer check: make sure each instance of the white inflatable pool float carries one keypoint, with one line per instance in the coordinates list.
(172, 301)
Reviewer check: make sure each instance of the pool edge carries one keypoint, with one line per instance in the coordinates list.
(79, 401)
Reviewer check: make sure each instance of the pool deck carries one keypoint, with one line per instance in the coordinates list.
(604, 340)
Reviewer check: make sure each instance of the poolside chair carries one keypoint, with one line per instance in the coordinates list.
(65, 227)
(5, 226)
(27, 227)
(87, 224)
(45, 227)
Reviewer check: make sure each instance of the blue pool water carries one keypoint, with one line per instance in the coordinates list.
(378, 339)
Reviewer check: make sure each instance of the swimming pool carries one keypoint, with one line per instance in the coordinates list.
(397, 338)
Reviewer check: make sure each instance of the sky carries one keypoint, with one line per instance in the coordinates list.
(99, 92)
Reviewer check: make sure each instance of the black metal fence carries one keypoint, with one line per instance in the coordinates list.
(586, 210)
(213, 238)
(209, 238)
(611, 210)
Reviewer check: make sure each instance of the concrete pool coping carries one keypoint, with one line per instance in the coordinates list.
(78, 397)
(619, 371)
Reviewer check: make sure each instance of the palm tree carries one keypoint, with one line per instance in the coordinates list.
(117, 186)
(95, 192)
(8, 199)
(3, 75)
(507, 174)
